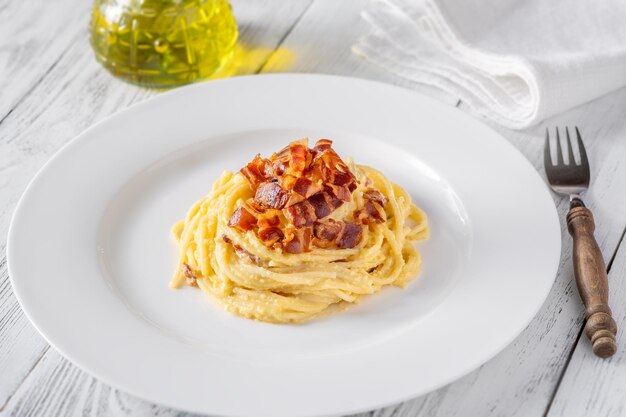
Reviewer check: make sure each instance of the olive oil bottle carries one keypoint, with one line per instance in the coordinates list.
(163, 43)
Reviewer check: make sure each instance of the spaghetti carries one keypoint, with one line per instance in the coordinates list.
(269, 248)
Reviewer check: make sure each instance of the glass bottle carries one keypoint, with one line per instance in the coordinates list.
(163, 43)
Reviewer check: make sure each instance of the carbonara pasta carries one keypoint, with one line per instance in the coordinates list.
(299, 235)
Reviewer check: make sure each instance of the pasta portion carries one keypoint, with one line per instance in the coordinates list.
(351, 232)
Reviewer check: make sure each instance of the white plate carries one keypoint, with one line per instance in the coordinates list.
(90, 253)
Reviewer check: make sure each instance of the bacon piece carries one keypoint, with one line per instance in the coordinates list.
(270, 194)
(373, 212)
(318, 171)
(294, 246)
(375, 196)
(361, 216)
(278, 168)
(336, 171)
(242, 253)
(368, 214)
(294, 199)
(270, 235)
(322, 144)
(350, 236)
(288, 182)
(255, 171)
(329, 159)
(324, 244)
(305, 187)
(298, 152)
(301, 214)
(341, 192)
(340, 165)
(335, 202)
(328, 230)
(190, 277)
(252, 204)
(300, 241)
(242, 219)
(321, 204)
(247, 256)
(283, 154)
(268, 219)
(342, 178)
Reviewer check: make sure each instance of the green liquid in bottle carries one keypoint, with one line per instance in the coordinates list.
(163, 43)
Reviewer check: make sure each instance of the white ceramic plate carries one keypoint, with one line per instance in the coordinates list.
(90, 252)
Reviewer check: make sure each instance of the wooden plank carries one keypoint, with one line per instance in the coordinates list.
(21, 345)
(72, 96)
(64, 390)
(521, 380)
(593, 386)
(33, 36)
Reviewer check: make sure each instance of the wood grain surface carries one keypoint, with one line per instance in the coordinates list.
(51, 89)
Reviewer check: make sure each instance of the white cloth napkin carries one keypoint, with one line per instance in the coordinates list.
(516, 62)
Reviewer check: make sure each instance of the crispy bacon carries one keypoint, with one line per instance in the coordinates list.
(242, 253)
(305, 187)
(300, 241)
(255, 171)
(351, 235)
(298, 152)
(375, 196)
(278, 168)
(288, 182)
(329, 158)
(268, 219)
(283, 154)
(369, 214)
(342, 178)
(361, 217)
(321, 204)
(328, 230)
(318, 171)
(270, 194)
(342, 192)
(295, 192)
(270, 235)
(255, 207)
(294, 199)
(322, 144)
(335, 202)
(374, 212)
(190, 277)
(242, 219)
(301, 214)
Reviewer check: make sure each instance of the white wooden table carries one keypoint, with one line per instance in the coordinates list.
(51, 89)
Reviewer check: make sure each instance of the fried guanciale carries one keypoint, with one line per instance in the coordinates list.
(296, 190)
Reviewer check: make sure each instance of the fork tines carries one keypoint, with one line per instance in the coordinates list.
(570, 150)
(571, 178)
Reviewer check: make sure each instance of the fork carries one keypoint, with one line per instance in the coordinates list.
(572, 179)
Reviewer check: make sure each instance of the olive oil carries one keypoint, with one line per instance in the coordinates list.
(163, 43)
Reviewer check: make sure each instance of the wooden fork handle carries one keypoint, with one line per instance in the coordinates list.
(592, 281)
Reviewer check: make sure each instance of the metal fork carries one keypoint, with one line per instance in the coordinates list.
(572, 179)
